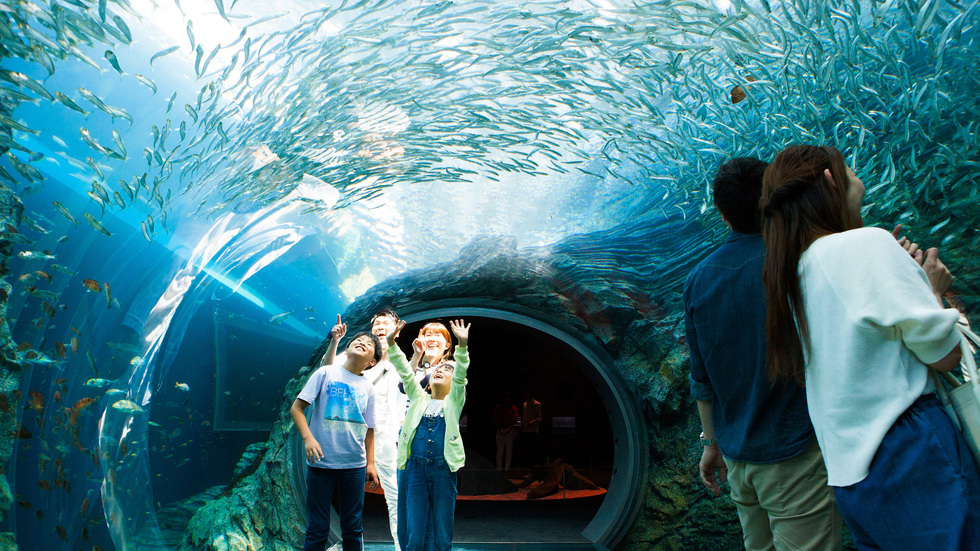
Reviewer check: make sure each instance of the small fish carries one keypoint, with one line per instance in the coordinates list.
(92, 285)
(199, 54)
(108, 293)
(147, 82)
(62, 269)
(91, 361)
(43, 58)
(127, 406)
(21, 79)
(67, 102)
(99, 383)
(116, 137)
(88, 139)
(164, 52)
(74, 345)
(279, 318)
(95, 224)
(93, 99)
(64, 212)
(35, 401)
(34, 255)
(95, 166)
(221, 10)
(123, 28)
(60, 349)
(111, 57)
(182, 387)
(170, 104)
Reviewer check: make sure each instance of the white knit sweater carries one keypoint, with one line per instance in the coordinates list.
(874, 324)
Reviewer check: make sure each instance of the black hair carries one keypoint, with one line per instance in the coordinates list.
(318, 354)
(386, 312)
(378, 351)
(737, 189)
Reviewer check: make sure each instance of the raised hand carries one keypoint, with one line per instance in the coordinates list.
(338, 331)
(461, 330)
(390, 337)
(418, 346)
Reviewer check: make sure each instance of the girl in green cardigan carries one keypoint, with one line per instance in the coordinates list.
(430, 449)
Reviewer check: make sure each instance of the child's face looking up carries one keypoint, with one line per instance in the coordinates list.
(442, 377)
(362, 347)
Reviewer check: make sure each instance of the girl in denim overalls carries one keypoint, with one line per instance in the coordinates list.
(430, 450)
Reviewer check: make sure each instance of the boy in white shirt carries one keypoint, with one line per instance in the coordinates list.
(339, 441)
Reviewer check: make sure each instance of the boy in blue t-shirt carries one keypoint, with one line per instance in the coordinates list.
(339, 440)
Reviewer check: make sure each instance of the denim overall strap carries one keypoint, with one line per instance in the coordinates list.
(430, 440)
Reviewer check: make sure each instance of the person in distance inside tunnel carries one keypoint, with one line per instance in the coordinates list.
(430, 449)
(862, 321)
(756, 434)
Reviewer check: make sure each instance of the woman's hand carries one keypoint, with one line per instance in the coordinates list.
(461, 331)
(939, 277)
(912, 248)
(338, 331)
(418, 347)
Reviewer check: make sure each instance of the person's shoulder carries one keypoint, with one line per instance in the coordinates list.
(868, 234)
(863, 241)
(731, 254)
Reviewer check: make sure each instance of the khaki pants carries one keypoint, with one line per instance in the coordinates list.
(786, 505)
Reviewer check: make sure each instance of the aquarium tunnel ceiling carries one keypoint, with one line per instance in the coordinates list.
(254, 167)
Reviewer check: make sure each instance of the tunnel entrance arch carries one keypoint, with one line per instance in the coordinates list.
(618, 510)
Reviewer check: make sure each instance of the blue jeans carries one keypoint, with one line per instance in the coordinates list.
(320, 485)
(429, 491)
(922, 491)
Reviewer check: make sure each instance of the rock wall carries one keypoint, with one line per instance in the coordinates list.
(11, 210)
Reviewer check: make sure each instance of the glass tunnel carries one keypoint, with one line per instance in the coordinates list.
(194, 190)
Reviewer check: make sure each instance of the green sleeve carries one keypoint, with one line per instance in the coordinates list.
(400, 362)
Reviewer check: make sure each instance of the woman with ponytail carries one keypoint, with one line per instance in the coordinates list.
(860, 320)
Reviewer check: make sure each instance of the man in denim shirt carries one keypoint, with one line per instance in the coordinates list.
(757, 434)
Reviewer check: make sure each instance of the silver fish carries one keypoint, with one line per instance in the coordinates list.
(95, 224)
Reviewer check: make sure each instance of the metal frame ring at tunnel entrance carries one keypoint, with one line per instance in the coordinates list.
(616, 515)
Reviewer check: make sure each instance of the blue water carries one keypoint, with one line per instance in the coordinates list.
(431, 124)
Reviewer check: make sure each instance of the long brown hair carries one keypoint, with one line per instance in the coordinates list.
(798, 205)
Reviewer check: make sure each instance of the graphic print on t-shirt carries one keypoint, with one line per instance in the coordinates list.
(343, 410)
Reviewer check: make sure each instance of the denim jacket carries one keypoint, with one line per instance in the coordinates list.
(725, 312)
